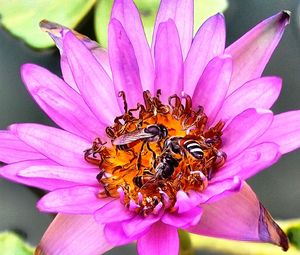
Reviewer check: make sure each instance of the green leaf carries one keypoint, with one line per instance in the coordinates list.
(203, 9)
(186, 247)
(12, 244)
(22, 17)
(148, 9)
(293, 234)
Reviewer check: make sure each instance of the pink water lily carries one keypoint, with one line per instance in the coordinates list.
(211, 100)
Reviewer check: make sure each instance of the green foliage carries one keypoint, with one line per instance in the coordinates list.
(12, 244)
(293, 234)
(22, 17)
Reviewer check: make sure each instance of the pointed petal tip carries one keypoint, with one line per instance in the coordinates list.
(285, 17)
(270, 232)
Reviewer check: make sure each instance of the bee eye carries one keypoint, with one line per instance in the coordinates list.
(176, 148)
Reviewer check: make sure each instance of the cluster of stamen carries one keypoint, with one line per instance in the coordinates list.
(156, 151)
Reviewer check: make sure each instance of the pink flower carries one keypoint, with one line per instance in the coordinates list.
(193, 176)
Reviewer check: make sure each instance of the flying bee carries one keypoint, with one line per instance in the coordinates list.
(152, 133)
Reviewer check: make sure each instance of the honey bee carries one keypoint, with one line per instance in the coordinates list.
(152, 133)
(180, 145)
(164, 166)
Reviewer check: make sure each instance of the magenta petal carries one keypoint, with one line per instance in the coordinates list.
(94, 84)
(284, 131)
(182, 13)
(116, 236)
(168, 60)
(69, 174)
(74, 234)
(250, 162)
(56, 144)
(252, 51)
(13, 150)
(213, 85)
(160, 239)
(126, 12)
(57, 33)
(183, 220)
(240, 217)
(60, 102)
(244, 130)
(185, 202)
(11, 171)
(139, 224)
(216, 190)
(113, 212)
(209, 42)
(258, 93)
(75, 200)
(124, 65)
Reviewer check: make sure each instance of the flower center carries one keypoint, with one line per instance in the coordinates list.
(156, 151)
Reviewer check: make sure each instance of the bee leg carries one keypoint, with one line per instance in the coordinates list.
(139, 157)
(153, 153)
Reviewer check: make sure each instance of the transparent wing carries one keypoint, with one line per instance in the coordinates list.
(132, 137)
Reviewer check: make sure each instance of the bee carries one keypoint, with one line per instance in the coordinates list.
(152, 133)
(179, 145)
(164, 166)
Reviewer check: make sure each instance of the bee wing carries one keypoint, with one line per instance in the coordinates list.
(132, 137)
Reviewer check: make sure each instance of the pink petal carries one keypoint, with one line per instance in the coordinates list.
(284, 131)
(182, 13)
(244, 130)
(116, 236)
(56, 144)
(258, 93)
(126, 12)
(217, 190)
(94, 84)
(250, 162)
(183, 220)
(124, 65)
(11, 171)
(69, 174)
(60, 102)
(213, 85)
(185, 202)
(160, 239)
(74, 234)
(208, 42)
(168, 61)
(252, 51)
(74, 200)
(13, 150)
(214, 191)
(139, 224)
(57, 33)
(240, 217)
(113, 212)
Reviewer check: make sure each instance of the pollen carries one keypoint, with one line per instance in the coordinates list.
(157, 150)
